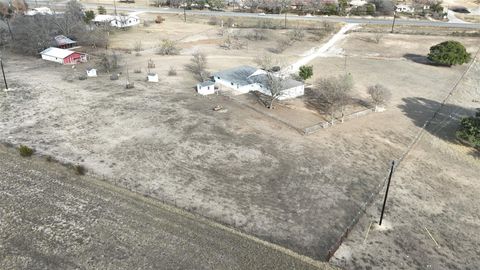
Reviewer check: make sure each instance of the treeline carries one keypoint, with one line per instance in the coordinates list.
(32, 34)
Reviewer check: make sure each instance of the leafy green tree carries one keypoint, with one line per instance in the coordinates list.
(449, 53)
(101, 10)
(305, 72)
(470, 129)
(89, 16)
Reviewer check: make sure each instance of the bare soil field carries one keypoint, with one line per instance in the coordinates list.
(54, 219)
(237, 167)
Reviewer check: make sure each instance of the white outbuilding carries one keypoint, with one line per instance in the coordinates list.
(206, 88)
(91, 72)
(152, 77)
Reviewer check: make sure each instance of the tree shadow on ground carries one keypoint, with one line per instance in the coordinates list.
(446, 119)
(417, 58)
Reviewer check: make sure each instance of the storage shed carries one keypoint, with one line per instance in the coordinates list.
(206, 88)
(62, 56)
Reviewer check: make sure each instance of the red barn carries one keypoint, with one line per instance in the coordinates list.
(65, 57)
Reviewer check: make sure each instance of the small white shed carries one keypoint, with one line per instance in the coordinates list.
(206, 88)
(91, 72)
(152, 77)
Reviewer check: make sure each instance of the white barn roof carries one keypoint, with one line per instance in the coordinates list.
(56, 52)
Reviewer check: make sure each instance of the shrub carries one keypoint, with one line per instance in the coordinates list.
(114, 77)
(296, 34)
(82, 77)
(213, 20)
(469, 130)
(129, 85)
(101, 10)
(25, 151)
(168, 47)
(159, 19)
(79, 169)
(172, 71)
(449, 53)
(257, 34)
(137, 70)
(305, 72)
(137, 46)
(146, 23)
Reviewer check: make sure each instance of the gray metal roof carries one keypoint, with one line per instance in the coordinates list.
(63, 40)
(262, 79)
(245, 75)
(238, 75)
(206, 83)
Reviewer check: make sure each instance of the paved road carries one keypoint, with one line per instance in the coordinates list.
(373, 21)
(53, 219)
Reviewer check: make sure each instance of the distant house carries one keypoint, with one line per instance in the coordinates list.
(244, 79)
(358, 3)
(404, 8)
(152, 77)
(39, 10)
(120, 21)
(62, 56)
(206, 88)
(64, 42)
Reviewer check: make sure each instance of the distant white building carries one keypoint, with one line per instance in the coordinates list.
(358, 3)
(244, 79)
(206, 88)
(39, 10)
(404, 8)
(120, 21)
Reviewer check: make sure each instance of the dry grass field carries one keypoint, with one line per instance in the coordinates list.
(237, 167)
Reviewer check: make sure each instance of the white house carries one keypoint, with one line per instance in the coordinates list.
(39, 10)
(62, 56)
(206, 88)
(91, 72)
(244, 79)
(120, 21)
(358, 3)
(404, 8)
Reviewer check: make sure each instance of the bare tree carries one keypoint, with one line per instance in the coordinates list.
(168, 47)
(268, 61)
(198, 66)
(32, 33)
(72, 21)
(109, 61)
(275, 87)
(379, 94)
(334, 94)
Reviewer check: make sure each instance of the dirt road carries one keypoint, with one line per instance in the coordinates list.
(53, 219)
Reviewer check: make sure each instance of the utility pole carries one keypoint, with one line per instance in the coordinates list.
(394, 17)
(3, 72)
(185, 11)
(285, 19)
(386, 192)
(115, 7)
